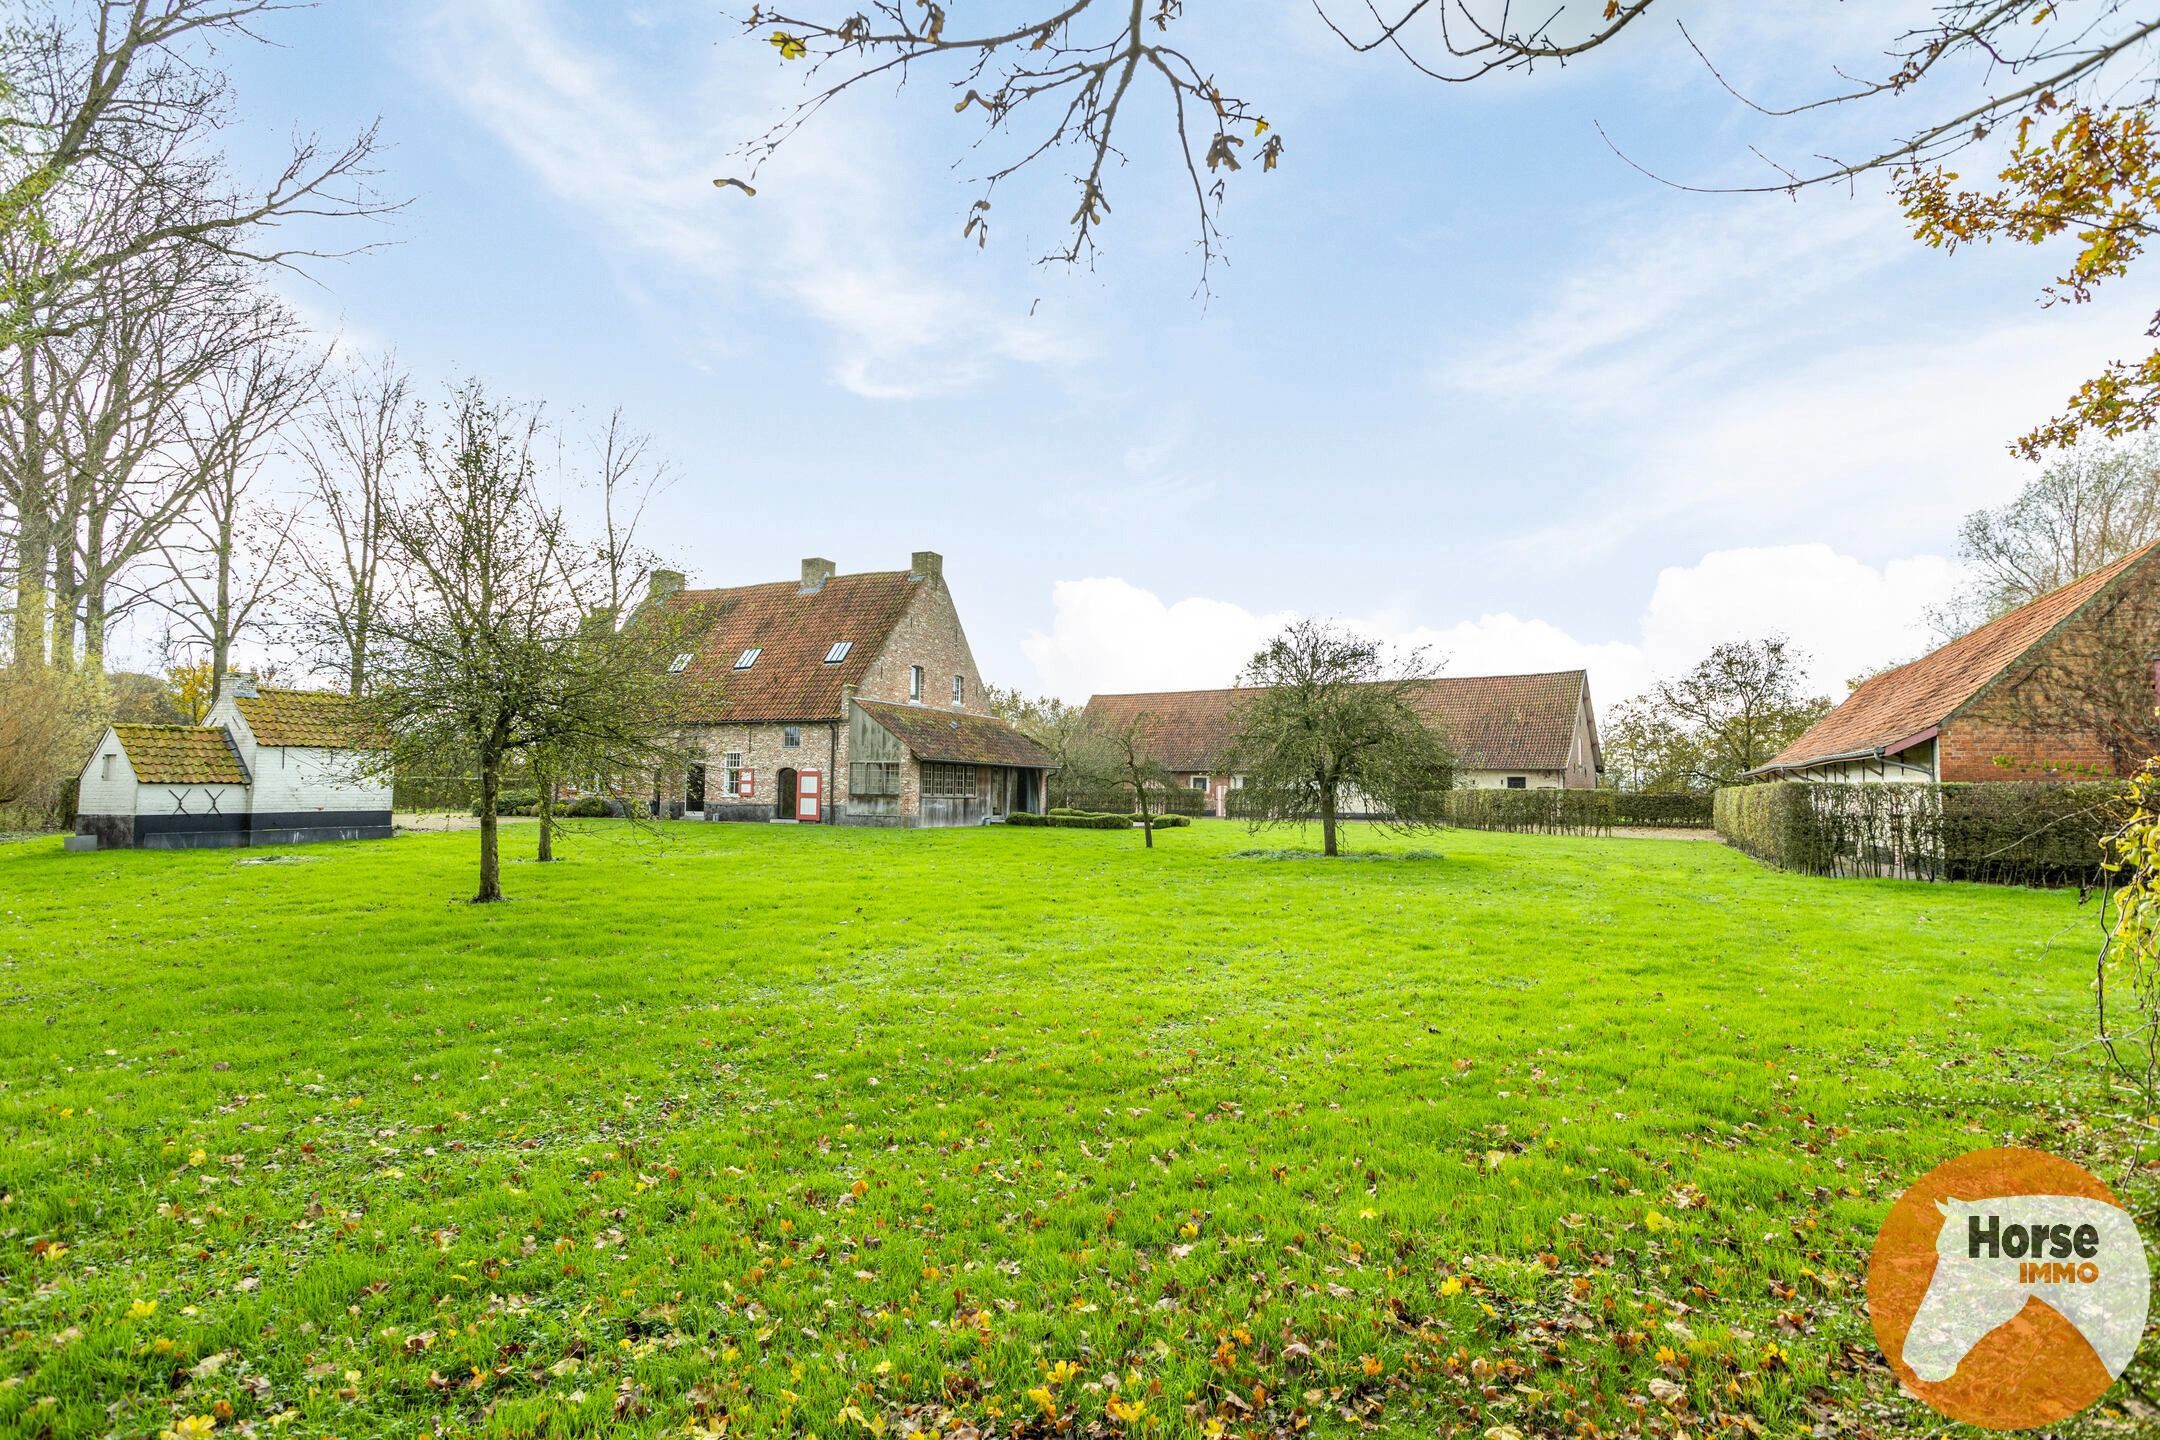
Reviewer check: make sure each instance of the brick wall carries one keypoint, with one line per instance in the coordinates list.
(2036, 721)
(928, 634)
(765, 751)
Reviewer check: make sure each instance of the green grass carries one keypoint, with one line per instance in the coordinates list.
(836, 1131)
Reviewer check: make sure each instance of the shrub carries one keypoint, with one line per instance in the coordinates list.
(2026, 832)
(49, 720)
(513, 802)
(589, 807)
(1165, 822)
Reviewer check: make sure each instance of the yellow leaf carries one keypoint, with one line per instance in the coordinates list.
(789, 46)
(142, 1310)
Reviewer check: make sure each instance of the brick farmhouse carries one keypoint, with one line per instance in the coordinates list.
(2059, 689)
(1535, 732)
(841, 699)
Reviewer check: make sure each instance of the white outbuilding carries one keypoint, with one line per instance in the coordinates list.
(267, 767)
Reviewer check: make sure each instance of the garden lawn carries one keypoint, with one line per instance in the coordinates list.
(855, 1131)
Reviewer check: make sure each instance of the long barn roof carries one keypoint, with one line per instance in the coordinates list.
(1494, 722)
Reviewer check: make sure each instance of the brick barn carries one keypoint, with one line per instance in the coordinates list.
(841, 699)
(1523, 732)
(2060, 689)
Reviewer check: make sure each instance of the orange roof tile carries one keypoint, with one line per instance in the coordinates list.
(1495, 722)
(792, 633)
(181, 755)
(1908, 702)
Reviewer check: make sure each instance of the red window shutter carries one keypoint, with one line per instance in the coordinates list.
(746, 784)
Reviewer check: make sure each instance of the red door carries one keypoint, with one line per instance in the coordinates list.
(809, 795)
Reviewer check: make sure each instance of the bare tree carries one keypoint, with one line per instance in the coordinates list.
(626, 478)
(115, 204)
(1328, 715)
(117, 97)
(354, 446)
(2087, 508)
(226, 559)
(1135, 766)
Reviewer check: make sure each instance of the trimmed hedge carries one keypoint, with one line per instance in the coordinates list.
(1545, 812)
(1663, 810)
(1070, 820)
(2015, 833)
(1167, 799)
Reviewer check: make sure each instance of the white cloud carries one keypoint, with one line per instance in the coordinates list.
(1108, 635)
(823, 236)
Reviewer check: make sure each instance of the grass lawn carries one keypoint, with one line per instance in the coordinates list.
(835, 1131)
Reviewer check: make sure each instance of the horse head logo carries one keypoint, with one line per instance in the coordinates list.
(2079, 1256)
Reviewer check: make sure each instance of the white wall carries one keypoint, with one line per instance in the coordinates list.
(291, 778)
(227, 715)
(100, 796)
(1497, 779)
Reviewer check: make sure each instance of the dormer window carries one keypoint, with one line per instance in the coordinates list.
(839, 651)
(681, 663)
(748, 657)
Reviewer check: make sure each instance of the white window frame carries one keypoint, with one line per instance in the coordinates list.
(791, 737)
(1200, 782)
(915, 683)
(839, 651)
(749, 657)
(1516, 782)
(731, 766)
(959, 689)
(681, 662)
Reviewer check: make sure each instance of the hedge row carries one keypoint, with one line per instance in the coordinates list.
(1162, 800)
(2017, 833)
(1546, 812)
(1665, 810)
(1068, 819)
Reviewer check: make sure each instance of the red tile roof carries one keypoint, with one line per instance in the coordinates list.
(792, 633)
(181, 755)
(1907, 703)
(932, 734)
(1495, 722)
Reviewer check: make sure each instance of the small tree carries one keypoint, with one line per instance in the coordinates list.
(492, 645)
(1329, 715)
(1137, 768)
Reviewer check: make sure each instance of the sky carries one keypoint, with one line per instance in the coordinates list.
(1470, 380)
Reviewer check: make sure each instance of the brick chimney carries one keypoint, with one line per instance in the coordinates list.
(663, 584)
(926, 565)
(815, 572)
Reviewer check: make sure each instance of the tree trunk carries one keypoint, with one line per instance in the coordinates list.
(490, 852)
(33, 551)
(1327, 819)
(547, 815)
